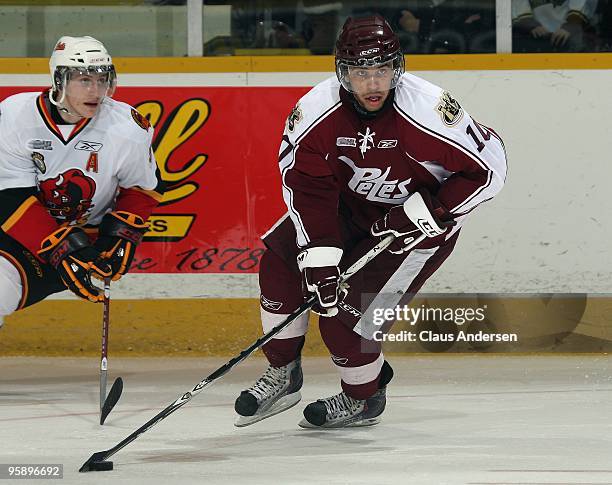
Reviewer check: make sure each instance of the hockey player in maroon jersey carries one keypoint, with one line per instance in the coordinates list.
(78, 180)
(371, 152)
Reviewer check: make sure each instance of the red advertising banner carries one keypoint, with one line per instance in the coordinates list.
(217, 150)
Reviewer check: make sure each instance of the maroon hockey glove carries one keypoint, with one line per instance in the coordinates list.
(420, 214)
(69, 251)
(321, 277)
(119, 234)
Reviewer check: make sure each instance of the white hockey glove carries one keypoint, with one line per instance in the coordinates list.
(420, 214)
(321, 276)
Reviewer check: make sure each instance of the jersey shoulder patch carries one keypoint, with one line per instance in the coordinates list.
(315, 105)
(140, 120)
(449, 109)
(125, 121)
(294, 117)
(427, 104)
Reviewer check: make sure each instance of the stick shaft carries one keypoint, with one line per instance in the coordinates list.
(104, 353)
(185, 398)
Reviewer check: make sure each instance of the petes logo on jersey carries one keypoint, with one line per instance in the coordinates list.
(373, 183)
(366, 141)
(88, 146)
(449, 109)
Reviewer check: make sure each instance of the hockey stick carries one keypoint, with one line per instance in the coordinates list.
(107, 403)
(97, 460)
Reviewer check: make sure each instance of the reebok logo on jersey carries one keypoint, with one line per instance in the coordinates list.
(387, 144)
(35, 144)
(343, 141)
(373, 183)
(89, 146)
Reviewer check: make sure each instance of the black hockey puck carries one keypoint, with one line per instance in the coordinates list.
(101, 466)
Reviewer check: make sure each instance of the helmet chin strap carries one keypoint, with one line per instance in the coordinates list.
(58, 104)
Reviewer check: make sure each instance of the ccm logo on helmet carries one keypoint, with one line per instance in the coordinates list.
(369, 51)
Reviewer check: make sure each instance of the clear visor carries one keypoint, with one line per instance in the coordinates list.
(386, 75)
(102, 77)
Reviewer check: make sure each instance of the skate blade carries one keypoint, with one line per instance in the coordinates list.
(356, 424)
(281, 405)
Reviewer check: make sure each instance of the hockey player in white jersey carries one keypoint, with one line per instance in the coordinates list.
(78, 180)
(371, 152)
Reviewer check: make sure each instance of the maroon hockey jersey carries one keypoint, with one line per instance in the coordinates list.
(335, 163)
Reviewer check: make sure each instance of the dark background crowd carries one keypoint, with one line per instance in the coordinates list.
(424, 26)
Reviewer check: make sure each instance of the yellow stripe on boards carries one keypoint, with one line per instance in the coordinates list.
(198, 327)
(224, 327)
(440, 62)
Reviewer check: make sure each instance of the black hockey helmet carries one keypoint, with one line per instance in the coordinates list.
(367, 42)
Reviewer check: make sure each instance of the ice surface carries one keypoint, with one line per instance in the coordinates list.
(450, 419)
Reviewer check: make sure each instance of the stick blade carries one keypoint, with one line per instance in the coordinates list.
(113, 396)
(97, 457)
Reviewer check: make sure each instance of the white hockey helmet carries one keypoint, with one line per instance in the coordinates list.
(84, 55)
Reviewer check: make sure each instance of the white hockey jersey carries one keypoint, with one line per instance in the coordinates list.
(78, 169)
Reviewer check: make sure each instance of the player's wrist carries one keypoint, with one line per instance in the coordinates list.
(319, 256)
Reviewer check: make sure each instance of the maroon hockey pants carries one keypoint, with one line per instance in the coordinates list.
(348, 335)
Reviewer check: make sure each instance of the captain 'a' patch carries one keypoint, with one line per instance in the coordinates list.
(92, 163)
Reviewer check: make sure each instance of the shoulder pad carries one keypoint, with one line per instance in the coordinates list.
(427, 104)
(315, 105)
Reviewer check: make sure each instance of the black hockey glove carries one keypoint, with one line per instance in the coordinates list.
(119, 234)
(420, 214)
(69, 251)
(321, 276)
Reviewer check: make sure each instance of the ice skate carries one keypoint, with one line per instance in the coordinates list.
(343, 411)
(277, 390)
